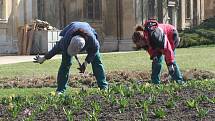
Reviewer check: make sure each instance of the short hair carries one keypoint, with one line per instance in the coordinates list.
(136, 36)
(77, 43)
(139, 28)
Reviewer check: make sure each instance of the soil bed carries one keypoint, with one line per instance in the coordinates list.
(110, 112)
(89, 80)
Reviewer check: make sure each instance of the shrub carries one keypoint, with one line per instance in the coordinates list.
(204, 34)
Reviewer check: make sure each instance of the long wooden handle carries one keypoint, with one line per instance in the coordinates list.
(76, 57)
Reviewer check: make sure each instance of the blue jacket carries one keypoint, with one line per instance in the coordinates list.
(91, 44)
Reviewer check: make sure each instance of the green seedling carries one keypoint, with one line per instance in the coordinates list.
(142, 89)
(159, 113)
(14, 109)
(121, 90)
(96, 110)
(191, 103)
(125, 91)
(170, 104)
(201, 112)
(175, 96)
(68, 100)
(144, 105)
(5, 101)
(69, 114)
(91, 117)
(143, 117)
(77, 102)
(161, 88)
(104, 93)
(212, 100)
(152, 99)
(31, 118)
(123, 103)
(202, 98)
(136, 87)
(96, 106)
(49, 99)
(43, 107)
(83, 92)
(55, 106)
(112, 100)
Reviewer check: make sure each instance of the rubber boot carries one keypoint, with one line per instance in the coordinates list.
(156, 69)
(176, 75)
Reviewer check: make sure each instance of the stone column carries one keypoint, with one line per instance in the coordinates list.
(191, 12)
(128, 23)
(165, 11)
(199, 12)
(183, 14)
(174, 16)
(110, 26)
(202, 5)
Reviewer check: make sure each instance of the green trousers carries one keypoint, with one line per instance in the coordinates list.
(156, 71)
(63, 73)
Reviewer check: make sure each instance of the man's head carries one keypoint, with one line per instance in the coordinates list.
(76, 44)
(138, 38)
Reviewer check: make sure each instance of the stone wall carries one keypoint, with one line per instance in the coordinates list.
(209, 9)
(119, 17)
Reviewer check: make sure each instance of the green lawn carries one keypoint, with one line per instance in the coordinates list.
(37, 91)
(187, 58)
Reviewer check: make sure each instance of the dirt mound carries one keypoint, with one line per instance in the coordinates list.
(89, 80)
(195, 74)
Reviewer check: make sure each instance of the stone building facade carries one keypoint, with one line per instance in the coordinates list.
(209, 8)
(114, 20)
(13, 14)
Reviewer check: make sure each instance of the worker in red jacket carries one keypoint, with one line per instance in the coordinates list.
(158, 40)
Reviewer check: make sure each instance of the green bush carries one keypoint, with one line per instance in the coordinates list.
(204, 34)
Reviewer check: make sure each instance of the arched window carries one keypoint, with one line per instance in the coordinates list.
(188, 9)
(93, 9)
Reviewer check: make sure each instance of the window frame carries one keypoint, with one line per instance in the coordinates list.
(188, 9)
(95, 9)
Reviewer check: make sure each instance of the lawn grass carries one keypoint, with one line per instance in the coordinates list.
(25, 91)
(37, 91)
(187, 58)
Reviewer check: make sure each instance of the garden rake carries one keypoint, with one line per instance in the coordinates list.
(79, 63)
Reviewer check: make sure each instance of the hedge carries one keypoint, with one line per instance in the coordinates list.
(204, 34)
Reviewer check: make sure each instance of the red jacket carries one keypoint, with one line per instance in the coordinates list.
(168, 44)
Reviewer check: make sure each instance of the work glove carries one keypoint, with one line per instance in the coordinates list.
(83, 67)
(171, 68)
(39, 59)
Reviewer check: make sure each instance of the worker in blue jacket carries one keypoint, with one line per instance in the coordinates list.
(77, 37)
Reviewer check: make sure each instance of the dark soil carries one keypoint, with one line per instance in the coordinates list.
(89, 80)
(110, 112)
